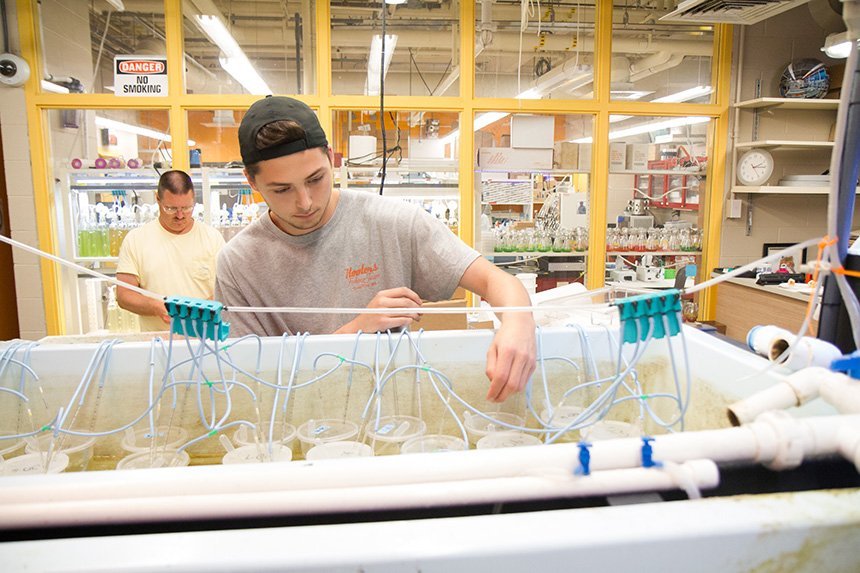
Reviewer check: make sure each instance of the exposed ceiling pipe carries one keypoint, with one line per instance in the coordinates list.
(656, 63)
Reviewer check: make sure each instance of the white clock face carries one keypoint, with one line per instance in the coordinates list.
(755, 167)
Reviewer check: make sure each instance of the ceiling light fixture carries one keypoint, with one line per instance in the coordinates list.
(567, 75)
(232, 59)
(371, 86)
(837, 46)
(53, 88)
(135, 129)
(481, 122)
(650, 127)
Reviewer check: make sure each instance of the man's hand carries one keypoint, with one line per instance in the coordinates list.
(395, 298)
(511, 357)
(159, 309)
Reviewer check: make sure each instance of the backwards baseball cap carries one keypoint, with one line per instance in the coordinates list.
(276, 108)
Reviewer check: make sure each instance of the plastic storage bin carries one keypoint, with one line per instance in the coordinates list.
(142, 441)
(335, 450)
(507, 440)
(34, 464)
(257, 454)
(158, 459)
(432, 443)
(477, 426)
(388, 435)
(315, 432)
(79, 449)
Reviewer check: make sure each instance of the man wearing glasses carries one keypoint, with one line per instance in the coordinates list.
(171, 256)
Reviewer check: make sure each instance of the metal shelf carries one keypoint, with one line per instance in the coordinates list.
(788, 103)
(783, 190)
(774, 143)
(661, 253)
(535, 254)
(659, 172)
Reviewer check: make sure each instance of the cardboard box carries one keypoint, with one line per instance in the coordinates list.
(532, 131)
(566, 155)
(617, 156)
(507, 159)
(443, 321)
(639, 154)
(584, 157)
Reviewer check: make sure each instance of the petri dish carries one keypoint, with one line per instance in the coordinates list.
(141, 440)
(79, 449)
(284, 434)
(386, 435)
(33, 464)
(315, 432)
(159, 459)
(433, 443)
(477, 426)
(337, 450)
(507, 440)
(253, 454)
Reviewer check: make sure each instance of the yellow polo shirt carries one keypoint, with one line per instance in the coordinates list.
(169, 264)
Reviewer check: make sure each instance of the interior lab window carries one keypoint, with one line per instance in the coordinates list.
(658, 61)
(254, 47)
(537, 51)
(533, 192)
(418, 154)
(657, 193)
(80, 39)
(418, 55)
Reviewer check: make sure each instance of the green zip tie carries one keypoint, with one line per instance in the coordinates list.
(212, 433)
(44, 428)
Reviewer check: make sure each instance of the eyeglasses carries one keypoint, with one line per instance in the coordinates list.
(174, 210)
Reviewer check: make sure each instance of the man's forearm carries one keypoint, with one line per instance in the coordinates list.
(139, 304)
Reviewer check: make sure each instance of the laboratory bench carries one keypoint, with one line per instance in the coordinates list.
(742, 304)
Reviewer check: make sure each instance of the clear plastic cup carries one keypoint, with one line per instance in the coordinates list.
(561, 417)
(157, 459)
(337, 450)
(315, 432)
(390, 432)
(433, 443)
(258, 454)
(477, 426)
(78, 448)
(284, 434)
(33, 464)
(609, 430)
(8, 447)
(507, 440)
(142, 441)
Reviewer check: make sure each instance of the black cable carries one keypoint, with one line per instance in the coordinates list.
(420, 75)
(442, 77)
(5, 27)
(382, 100)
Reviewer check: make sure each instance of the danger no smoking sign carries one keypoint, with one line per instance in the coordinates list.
(140, 75)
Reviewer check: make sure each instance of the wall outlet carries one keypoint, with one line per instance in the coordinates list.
(734, 208)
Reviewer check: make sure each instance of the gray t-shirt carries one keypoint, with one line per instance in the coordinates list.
(370, 244)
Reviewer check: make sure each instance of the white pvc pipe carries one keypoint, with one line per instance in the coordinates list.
(794, 390)
(760, 442)
(245, 504)
(849, 444)
(805, 352)
(760, 338)
(841, 392)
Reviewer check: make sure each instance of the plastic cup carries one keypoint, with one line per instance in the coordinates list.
(79, 449)
(258, 454)
(315, 432)
(141, 440)
(507, 440)
(159, 459)
(32, 464)
(337, 450)
(477, 426)
(433, 443)
(609, 430)
(9, 447)
(388, 435)
(561, 417)
(284, 434)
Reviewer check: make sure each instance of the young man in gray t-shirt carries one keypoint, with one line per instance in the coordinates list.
(323, 247)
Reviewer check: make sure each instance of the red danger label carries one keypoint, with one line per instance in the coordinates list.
(141, 67)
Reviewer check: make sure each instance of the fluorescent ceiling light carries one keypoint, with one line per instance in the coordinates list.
(371, 86)
(837, 46)
(685, 95)
(136, 129)
(650, 127)
(629, 95)
(53, 88)
(481, 122)
(232, 59)
(117, 4)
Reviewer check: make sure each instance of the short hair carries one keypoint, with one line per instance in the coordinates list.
(278, 133)
(175, 182)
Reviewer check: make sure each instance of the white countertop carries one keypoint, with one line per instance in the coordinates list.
(799, 292)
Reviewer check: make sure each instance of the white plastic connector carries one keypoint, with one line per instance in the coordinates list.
(842, 392)
(805, 353)
(795, 390)
(849, 444)
(760, 338)
(788, 444)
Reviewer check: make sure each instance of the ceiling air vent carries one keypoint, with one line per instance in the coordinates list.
(729, 11)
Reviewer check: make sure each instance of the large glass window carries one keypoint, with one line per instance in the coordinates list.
(421, 52)
(656, 196)
(80, 39)
(420, 165)
(539, 51)
(659, 61)
(247, 46)
(533, 190)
